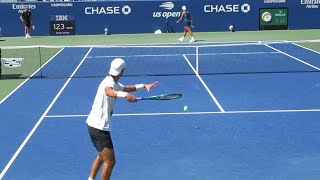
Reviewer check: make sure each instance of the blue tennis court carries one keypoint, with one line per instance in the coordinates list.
(253, 114)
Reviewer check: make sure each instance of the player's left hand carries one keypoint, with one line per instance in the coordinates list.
(149, 86)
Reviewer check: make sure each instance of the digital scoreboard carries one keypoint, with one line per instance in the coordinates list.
(62, 25)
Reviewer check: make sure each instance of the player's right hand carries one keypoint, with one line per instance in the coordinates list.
(131, 98)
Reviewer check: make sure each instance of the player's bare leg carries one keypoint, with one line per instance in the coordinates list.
(26, 31)
(109, 161)
(184, 34)
(191, 34)
(95, 167)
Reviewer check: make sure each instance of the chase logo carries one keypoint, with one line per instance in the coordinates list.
(229, 8)
(12, 62)
(167, 5)
(110, 10)
(126, 9)
(245, 8)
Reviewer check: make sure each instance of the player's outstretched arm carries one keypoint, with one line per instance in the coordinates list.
(120, 94)
(182, 15)
(131, 88)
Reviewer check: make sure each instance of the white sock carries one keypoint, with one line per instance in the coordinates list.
(90, 178)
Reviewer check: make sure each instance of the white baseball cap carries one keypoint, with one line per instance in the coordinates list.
(184, 8)
(117, 65)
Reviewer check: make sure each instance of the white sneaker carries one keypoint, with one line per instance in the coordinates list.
(29, 36)
(26, 37)
(181, 39)
(192, 40)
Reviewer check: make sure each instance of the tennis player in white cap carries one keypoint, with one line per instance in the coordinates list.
(99, 119)
(186, 15)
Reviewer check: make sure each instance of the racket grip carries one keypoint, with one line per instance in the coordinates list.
(139, 98)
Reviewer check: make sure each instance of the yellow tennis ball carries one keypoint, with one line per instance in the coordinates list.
(185, 108)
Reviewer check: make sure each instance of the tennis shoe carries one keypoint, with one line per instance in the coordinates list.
(181, 39)
(192, 40)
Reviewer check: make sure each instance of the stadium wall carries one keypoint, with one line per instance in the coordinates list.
(147, 16)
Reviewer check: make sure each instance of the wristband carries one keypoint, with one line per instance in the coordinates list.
(121, 94)
(139, 86)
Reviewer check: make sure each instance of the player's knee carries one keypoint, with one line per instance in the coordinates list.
(99, 158)
(111, 162)
(109, 159)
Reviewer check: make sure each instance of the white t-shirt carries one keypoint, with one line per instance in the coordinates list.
(103, 105)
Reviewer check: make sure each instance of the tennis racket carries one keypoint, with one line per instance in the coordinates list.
(161, 97)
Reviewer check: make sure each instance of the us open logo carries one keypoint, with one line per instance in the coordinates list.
(274, 1)
(167, 6)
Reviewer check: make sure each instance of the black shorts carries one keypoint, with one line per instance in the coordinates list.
(188, 23)
(100, 139)
(27, 24)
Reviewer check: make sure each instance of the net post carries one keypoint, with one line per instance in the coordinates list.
(40, 61)
(0, 65)
(197, 59)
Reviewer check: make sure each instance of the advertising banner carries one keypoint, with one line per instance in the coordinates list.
(274, 18)
(127, 17)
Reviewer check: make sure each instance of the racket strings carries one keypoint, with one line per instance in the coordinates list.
(169, 96)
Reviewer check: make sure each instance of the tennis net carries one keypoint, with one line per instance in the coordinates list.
(160, 60)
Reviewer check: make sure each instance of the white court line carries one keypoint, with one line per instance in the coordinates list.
(244, 53)
(41, 119)
(5, 98)
(306, 48)
(179, 43)
(136, 45)
(315, 67)
(140, 55)
(205, 85)
(204, 54)
(194, 44)
(196, 113)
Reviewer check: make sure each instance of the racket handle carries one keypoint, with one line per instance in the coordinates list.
(139, 98)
